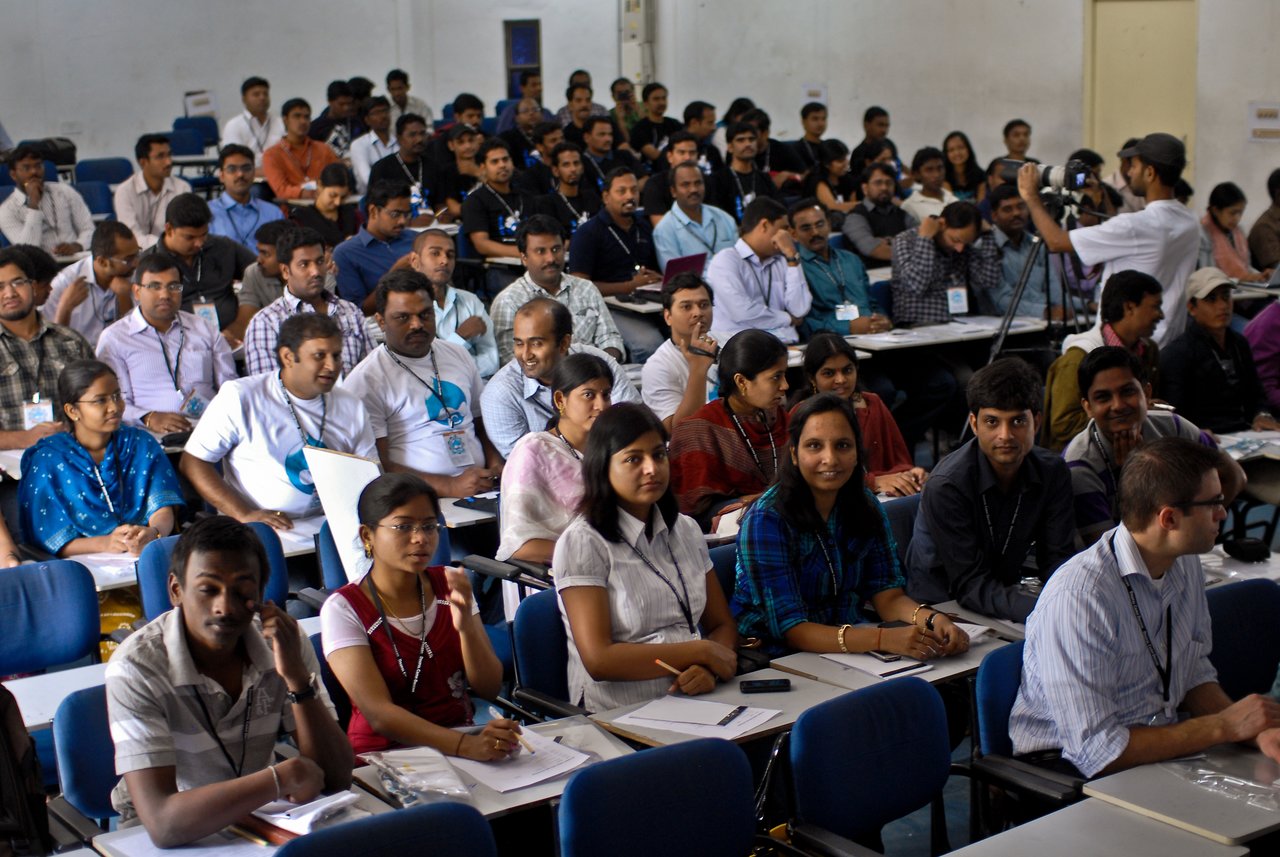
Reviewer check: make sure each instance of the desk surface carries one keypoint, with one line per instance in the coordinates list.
(39, 696)
(816, 667)
(1012, 631)
(1093, 827)
(963, 329)
(641, 307)
(1220, 568)
(460, 516)
(805, 693)
(195, 160)
(579, 733)
(1158, 792)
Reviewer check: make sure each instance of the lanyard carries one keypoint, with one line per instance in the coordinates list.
(572, 451)
(1165, 673)
(102, 486)
(306, 144)
(37, 345)
(176, 367)
(243, 237)
(238, 770)
(412, 178)
(434, 387)
(580, 216)
(621, 243)
(199, 273)
(1111, 468)
(831, 566)
(424, 649)
(773, 447)
(834, 265)
(324, 414)
(266, 131)
(715, 236)
(685, 604)
(499, 198)
(741, 193)
(1012, 523)
(767, 291)
(106, 313)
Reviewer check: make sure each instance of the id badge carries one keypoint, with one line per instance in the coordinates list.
(846, 312)
(36, 412)
(958, 300)
(456, 445)
(193, 406)
(208, 312)
(748, 198)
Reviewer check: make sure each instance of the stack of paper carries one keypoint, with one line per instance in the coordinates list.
(307, 817)
(547, 761)
(697, 717)
(878, 668)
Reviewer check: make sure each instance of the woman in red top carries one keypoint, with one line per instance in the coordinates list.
(406, 640)
(831, 365)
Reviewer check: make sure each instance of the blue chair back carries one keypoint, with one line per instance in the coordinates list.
(446, 112)
(999, 676)
(48, 616)
(447, 829)
(185, 141)
(334, 576)
(205, 126)
(503, 104)
(869, 757)
(692, 798)
(1246, 635)
(724, 561)
(86, 755)
(541, 647)
(337, 693)
(489, 125)
(108, 170)
(836, 241)
(97, 195)
(882, 297)
(901, 512)
(153, 571)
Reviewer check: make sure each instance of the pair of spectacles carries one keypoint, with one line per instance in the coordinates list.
(101, 401)
(242, 168)
(1215, 502)
(127, 260)
(156, 287)
(18, 284)
(427, 529)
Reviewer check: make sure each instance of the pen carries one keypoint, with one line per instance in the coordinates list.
(244, 834)
(666, 666)
(494, 712)
(905, 669)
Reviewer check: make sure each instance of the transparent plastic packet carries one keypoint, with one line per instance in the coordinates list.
(1258, 794)
(418, 775)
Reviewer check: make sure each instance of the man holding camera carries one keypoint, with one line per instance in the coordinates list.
(1161, 240)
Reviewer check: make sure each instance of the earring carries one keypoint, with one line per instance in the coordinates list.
(368, 550)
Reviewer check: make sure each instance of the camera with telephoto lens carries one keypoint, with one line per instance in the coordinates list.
(1072, 176)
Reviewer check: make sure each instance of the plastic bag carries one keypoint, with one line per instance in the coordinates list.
(418, 775)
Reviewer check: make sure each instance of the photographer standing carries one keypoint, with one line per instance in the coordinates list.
(1161, 240)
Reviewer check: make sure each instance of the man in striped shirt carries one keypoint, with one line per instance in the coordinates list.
(1116, 669)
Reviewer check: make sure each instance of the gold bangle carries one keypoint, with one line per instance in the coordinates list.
(840, 638)
(916, 612)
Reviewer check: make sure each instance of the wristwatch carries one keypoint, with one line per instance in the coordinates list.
(793, 260)
(309, 692)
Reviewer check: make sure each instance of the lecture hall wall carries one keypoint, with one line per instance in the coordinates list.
(102, 71)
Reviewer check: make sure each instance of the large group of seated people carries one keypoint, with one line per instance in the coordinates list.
(284, 315)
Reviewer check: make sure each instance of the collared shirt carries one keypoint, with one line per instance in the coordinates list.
(32, 366)
(603, 251)
(288, 167)
(515, 405)
(460, 305)
(92, 315)
(841, 278)
(922, 273)
(258, 290)
(210, 278)
(239, 221)
(264, 330)
(143, 211)
(363, 259)
(414, 105)
(245, 130)
(677, 234)
(757, 293)
(61, 218)
(592, 323)
(1087, 675)
(195, 358)
(974, 543)
(1039, 292)
(152, 687)
(1264, 238)
(367, 150)
(920, 206)
(642, 608)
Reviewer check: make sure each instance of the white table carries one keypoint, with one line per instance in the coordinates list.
(447, 228)
(1004, 628)
(195, 160)
(814, 666)
(962, 329)
(456, 515)
(805, 693)
(640, 307)
(1157, 792)
(301, 540)
(578, 733)
(39, 696)
(1092, 827)
(1220, 568)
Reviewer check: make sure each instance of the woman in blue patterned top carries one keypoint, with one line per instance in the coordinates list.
(99, 486)
(816, 547)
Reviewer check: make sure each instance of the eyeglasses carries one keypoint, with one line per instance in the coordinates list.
(18, 284)
(101, 401)
(397, 213)
(1219, 501)
(243, 168)
(407, 530)
(176, 288)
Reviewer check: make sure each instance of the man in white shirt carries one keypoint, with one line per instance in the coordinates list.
(1161, 240)
(257, 127)
(758, 282)
(50, 215)
(169, 363)
(141, 201)
(257, 428)
(929, 170)
(423, 395)
(376, 144)
(92, 293)
(681, 375)
(401, 101)
(690, 226)
(460, 316)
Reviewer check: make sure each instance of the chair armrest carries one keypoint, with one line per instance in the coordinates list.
(491, 567)
(312, 597)
(811, 839)
(548, 704)
(535, 570)
(1025, 777)
(76, 822)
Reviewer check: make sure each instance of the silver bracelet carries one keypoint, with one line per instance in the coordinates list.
(275, 776)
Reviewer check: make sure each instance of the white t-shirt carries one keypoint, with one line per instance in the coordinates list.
(1162, 240)
(248, 427)
(341, 628)
(420, 426)
(665, 377)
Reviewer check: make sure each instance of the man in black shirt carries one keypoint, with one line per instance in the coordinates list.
(813, 117)
(649, 136)
(456, 177)
(537, 179)
(571, 203)
(599, 156)
(732, 188)
(520, 138)
(655, 197)
(700, 121)
(875, 125)
(493, 211)
(778, 162)
(409, 164)
(338, 125)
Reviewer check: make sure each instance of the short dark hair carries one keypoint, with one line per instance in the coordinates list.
(650, 89)
(404, 120)
(466, 101)
(293, 238)
(1225, 195)
(926, 154)
(878, 167)
(302, 327)
(24, 152)
(537, 224)
(402, 281)
(618, 81)
(232, 150)
(734, 130)
(681, 136)
(397, 74)
(527, 75)
(389, 492)
(578, 71)
(874, 112)
(830, 151)
(748, 353)
(76, 377)
(361, 87)
(1162, 472)
(338, 89)
(251, 82)
(383, 191)
(270, 232)
(574, 371)
(758, 118)
(589, 124)
(1088, 157)
(372, 103)
(428, 233)
(142, 148)
(673, 172)
(1008, 384)
(804, 204)
(958, 215)
(561, 318)
(293, 104)
(43, 266)
(489, 145)
(686, 281)
(1103, 358)
(158, 263)
(761, 208)
(613, 175)
(1000, 193)
(612, 431)
(187, 211)
(17, 255)
(560, 149)
(542, 129)
(811, 108)
(1273, 183)
(1015, 123)
(694, 110)
(105, 234)
(219, 534)
(335, 175)
(574, 87)
(1124, 287)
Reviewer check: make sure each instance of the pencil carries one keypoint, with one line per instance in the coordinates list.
(525, 744)
(666, 666)
(245, 834)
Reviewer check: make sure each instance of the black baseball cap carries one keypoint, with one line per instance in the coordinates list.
(460, 129)
(1163, 150)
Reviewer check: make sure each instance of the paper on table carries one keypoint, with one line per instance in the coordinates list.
(877, 667)
(304, 818)
(730, 522)
(977, 633)
(303, 534)
(221, 844)
(549, 760)
(745, 722)
(680, 709)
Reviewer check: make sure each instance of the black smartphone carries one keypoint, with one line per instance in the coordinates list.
(885, 657)
(764, 685)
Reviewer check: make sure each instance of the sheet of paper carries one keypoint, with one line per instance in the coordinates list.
(877, 667)
(303, 534)
(549, 760)
(339, 478)
(745, 722)
(977, 633)
(10, 462)
(110, 569)
(137, 843)
(307, 817)
(681, 709)
(729, 523)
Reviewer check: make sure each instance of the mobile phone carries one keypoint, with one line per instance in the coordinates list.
(885, 657)
(764, 685)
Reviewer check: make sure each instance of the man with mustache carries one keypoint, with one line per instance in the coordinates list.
(257, 428)
(1010, 242)
(935, 266)
(690, 226)
(382, 242)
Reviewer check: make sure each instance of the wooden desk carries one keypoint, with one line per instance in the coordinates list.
(816, 667)
(579, 733)
(1156, 792)
(1093, 827)
(39, 696)
(805, 693)
(962, 329)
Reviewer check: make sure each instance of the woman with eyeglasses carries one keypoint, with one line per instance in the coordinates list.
(99, 487)
(406, 639)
